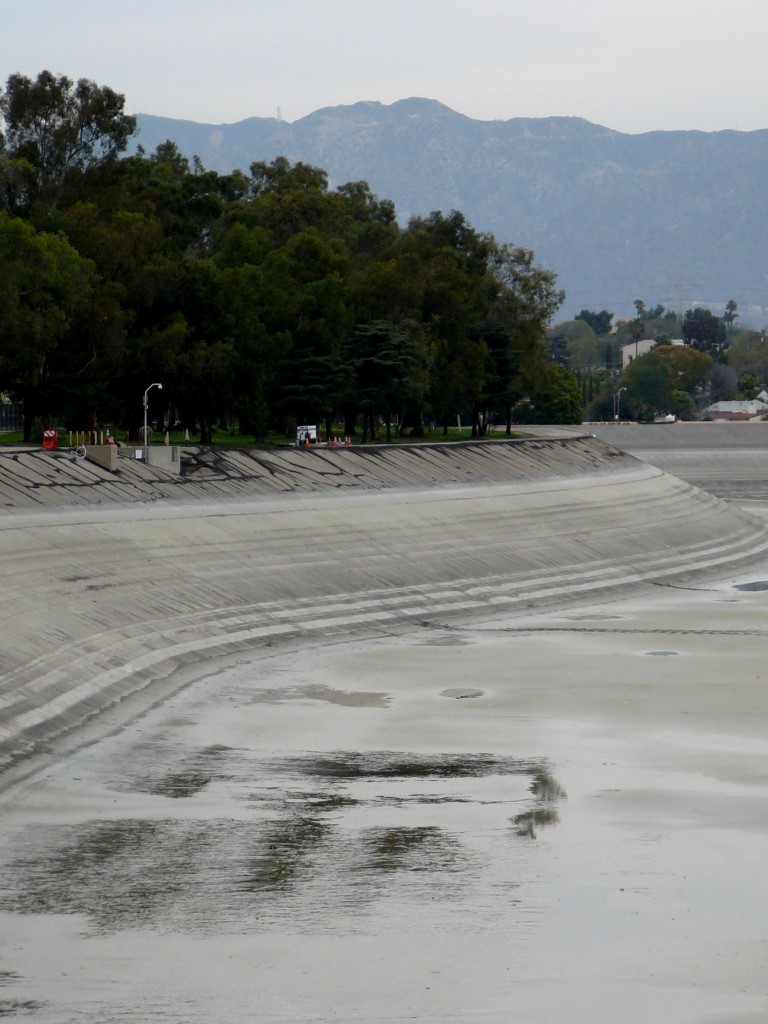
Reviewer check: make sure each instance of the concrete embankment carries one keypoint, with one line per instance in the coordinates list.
(114, 581)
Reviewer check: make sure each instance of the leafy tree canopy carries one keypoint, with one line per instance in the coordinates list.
(704, 330)
(599, 322)
(52, 125)
(690, 368)
(649, 383)
(259, 298)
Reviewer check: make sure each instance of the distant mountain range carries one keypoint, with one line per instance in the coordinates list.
(678, 217)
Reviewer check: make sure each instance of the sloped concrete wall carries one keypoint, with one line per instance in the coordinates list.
(109, 588)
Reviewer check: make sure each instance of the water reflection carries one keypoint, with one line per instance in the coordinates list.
(368, 827)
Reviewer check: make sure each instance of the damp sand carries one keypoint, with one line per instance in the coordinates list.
(551, 818)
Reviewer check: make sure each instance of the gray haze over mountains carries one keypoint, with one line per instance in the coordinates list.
(677, 217)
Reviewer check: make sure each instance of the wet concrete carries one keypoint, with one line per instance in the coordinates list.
(541, 809)
(585, 837)
(697, 452)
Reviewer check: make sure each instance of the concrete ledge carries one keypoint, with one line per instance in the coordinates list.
(167, 458)
(104, 455)
(35, 479)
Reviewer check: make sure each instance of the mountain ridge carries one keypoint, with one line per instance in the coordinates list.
(666, 216)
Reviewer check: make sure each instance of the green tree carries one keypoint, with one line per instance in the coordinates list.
(730, 315)
(648, 380)
(44, 284)
(599, 322)
(523, 309)
(391, 364)
(557, 398)
(689, 367)
(705, 331)
(52, 126)
(748, 353)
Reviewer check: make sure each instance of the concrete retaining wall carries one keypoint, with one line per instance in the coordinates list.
(104, 455)
(111, 584)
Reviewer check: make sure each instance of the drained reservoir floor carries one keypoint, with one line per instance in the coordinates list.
(543, 817)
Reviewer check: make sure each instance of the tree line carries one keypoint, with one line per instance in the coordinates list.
(717, 360)
(258, 299)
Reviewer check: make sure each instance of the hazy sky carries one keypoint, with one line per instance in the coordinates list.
(632, 65)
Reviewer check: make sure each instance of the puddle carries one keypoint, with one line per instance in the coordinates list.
(446, 641)
(751, 587)
(459, 694)
(662, 654)
(527, 823)
(93, 869)
(345, 698)
(195, 774)
(424, 848)
(546, 787)
(15, 1007)
(281, 860)
(590, 617)
(388, 765)
(327, 801)
(300, 852)
(327, 694)
(547, 791)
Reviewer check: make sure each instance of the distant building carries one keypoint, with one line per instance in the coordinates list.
(752, 410)
(641, 348)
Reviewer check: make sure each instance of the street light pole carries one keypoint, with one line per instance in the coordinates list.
(146, 403)
(618, 404)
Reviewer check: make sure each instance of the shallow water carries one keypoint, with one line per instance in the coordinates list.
(322, 835)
